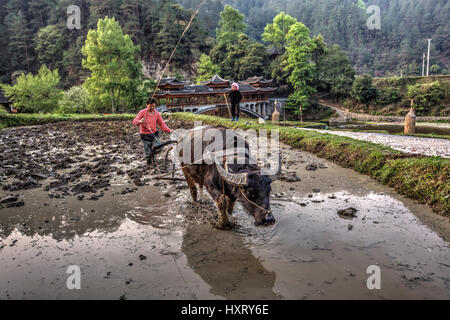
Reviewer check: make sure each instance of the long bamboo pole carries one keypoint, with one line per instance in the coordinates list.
(226, 100)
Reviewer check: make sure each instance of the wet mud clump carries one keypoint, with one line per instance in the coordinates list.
(75, 159)
(11, 201)
(348, 213)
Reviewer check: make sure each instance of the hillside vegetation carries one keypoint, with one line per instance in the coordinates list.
(111, 62)
(393, 97)
(397, 45)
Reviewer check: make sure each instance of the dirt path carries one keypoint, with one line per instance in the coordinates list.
(408, 144)
(138, 238)
(347, 116)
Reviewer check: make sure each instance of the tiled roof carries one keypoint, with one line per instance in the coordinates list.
(172, 81)
(246, 87)
(256, 79)
(216, 80)
(197, 89)
(190, 89)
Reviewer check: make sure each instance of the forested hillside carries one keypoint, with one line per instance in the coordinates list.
(34, 32)
(110, 61)
(398, 45)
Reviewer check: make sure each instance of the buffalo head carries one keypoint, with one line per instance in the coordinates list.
(253, 190)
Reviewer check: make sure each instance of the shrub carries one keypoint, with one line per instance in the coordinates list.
(74, 100)
(426, 96)
(35, 93)
(388, 95)
(363, 89)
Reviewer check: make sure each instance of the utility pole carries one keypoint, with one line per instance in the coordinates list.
(301, 114)
(423, 65)
(428, 62)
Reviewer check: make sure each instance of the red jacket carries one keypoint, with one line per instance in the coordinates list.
(151, 120)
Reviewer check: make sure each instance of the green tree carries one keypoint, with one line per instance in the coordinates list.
(219, 53)
(363, 89)
(4, 42)
(254, 63)
(137, 93)
(276, 32)
(35, 93)
(241, 60)
(74, 100)
(72, 63)
(435, 69)
(336, 72)
(278, 71)
(206, 69)
(49, 45)
(100, 9)
(21, 42)
(231, 24)
(298, 50)
(173, 22)
(427, 96)
(112, 60)
(318, 52)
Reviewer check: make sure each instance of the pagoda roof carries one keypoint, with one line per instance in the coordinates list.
(245, 88)
(256, 79)
(171, 81)
(216, 80)
(201, 90)
(216, 85)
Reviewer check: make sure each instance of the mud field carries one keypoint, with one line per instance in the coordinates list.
(80, 194)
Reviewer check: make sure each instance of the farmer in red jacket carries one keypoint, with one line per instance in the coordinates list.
(148, 119)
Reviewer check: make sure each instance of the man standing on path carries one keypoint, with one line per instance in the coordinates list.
(235, 98)
(148, 118)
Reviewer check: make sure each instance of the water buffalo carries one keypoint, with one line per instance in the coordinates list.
(225, 180)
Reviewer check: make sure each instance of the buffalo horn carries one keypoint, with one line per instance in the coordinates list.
(235, 179)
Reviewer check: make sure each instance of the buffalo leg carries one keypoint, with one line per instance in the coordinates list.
(230, 206)
(191, 183)
(201, 193)
(222, 204)
(225, 204)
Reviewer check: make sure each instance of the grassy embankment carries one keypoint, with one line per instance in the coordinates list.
(425, 179)
(14, 120)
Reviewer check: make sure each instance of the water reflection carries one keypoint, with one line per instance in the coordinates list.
(222, 260)
(70, 218)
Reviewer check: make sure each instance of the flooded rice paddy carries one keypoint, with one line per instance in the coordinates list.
(80, 194)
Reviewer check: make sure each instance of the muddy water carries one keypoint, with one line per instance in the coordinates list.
(319, 255)
(155, 244)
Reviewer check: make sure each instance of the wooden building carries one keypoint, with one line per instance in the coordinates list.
(177, 95)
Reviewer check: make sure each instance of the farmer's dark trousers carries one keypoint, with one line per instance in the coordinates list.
(235, 110)
(150, 141)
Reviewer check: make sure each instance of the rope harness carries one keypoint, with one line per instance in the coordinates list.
(255, 204)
